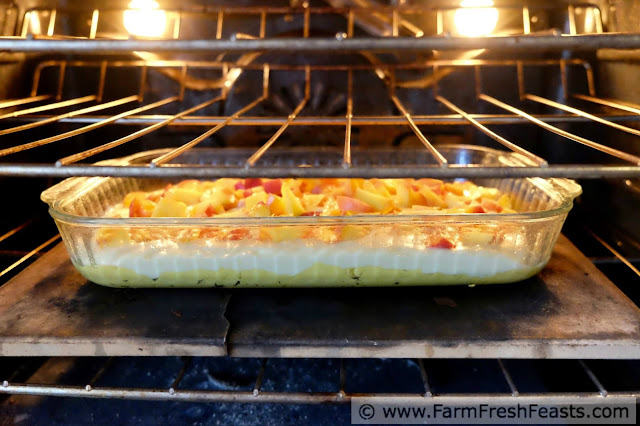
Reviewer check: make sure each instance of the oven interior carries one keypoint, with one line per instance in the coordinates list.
(90, 81)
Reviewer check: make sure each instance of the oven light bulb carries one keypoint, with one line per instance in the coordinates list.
(475, 18)
(144, 19)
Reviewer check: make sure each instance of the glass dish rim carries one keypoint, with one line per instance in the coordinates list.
(565, 193)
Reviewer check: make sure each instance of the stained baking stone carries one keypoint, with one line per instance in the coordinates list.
(569, 310)
(49, 309)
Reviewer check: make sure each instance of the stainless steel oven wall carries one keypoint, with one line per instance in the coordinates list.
(615, 203)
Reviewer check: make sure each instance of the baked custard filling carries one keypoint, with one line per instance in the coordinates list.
(316, 254)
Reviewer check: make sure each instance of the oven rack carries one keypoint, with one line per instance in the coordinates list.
(591, 388)
(512, 43)
(167, 166)
(430, 23)
(403, 27)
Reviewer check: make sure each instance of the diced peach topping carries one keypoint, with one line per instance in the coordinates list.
(273, 187)
(443, 243)
(315, 197)
(168, 207)
(140, 207)
(255, 197)
(350, 205)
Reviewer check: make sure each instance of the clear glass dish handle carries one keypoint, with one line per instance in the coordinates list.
(568, 188)
(57, 192)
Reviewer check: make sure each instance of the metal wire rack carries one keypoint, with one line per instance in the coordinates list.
(501, 374)
(387, 20)
(395, 28)
(405, 27)
(229, 72)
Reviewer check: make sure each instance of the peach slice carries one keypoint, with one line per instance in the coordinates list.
(353, 205)
(133, 195)
(325, 234)
(254, 199)
(376, 201)
(431, 198)
(141, 208)
(455, 188)
(443, 243)
(252, 183)
(188, 196)
(453, 201)
(402, 198)
(505, 201)
(436, 185)
(285, 233)
(331, 208)
(205, 209)
(113, 236)
(292, 204)
(311, 201)
(260, 210)
(474, 209)
(276, 205)
(474, 237)
(273, 186)
(189, 183)
(168, 207)
(236, 234)
(353, 232)
(491, 206)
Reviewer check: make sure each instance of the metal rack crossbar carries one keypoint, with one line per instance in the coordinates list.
(56, 105)
(16, 102)
(523, 43)
(229, 73)
(338, 121)
(625, 106)
(177, 171)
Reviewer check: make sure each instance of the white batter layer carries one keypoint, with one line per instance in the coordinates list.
(291, 258)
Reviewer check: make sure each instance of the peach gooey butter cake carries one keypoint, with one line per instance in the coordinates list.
(306, 232)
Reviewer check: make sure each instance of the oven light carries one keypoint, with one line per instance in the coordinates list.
(35, 23)
(232, 75)
(143, 19)
(475, 18)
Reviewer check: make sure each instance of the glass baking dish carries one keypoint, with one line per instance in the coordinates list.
(375, 251)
